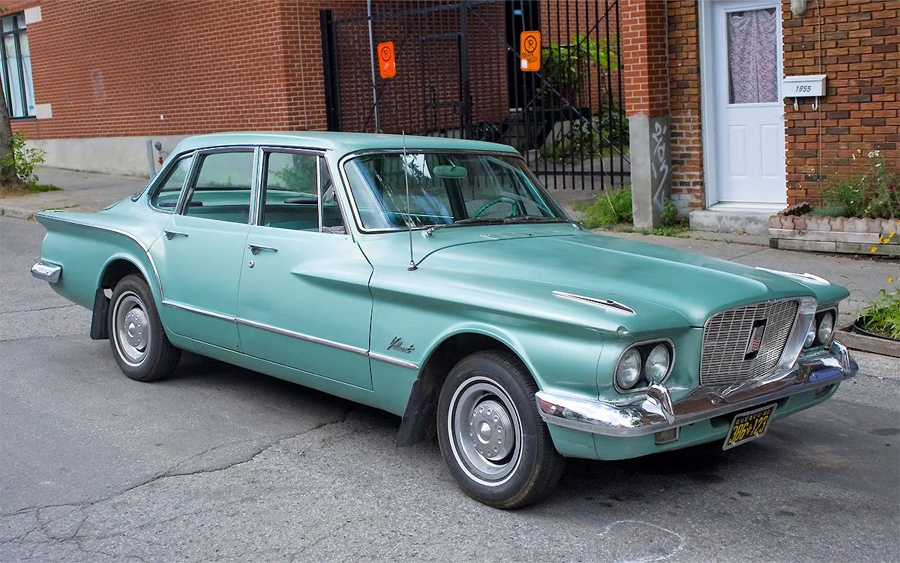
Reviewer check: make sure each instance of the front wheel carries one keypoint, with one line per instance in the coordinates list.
(136, 334)
(491, 435)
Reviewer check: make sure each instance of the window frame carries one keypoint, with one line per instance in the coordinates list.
(321, 160)
(16, 32)
(161, 179)
(197, 164)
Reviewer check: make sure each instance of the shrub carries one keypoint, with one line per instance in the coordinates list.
(882, 316)
(23, 160)
(875, 195)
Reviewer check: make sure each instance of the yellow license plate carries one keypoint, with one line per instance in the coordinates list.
(748, 426)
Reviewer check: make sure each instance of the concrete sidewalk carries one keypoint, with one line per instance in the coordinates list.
(864, 276)
(79, 191)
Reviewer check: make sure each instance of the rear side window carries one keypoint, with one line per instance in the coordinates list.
(221, 190)
(165, 198)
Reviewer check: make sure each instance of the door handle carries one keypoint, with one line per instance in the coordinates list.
(256, 248)
(172, 234)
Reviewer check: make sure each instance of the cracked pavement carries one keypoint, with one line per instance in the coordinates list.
(219, 463)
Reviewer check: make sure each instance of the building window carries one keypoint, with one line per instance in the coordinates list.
(16, 56)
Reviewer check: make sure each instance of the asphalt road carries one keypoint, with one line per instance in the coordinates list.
(221, 463)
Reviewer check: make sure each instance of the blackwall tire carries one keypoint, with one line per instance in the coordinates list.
(491, 435)
(136, 335)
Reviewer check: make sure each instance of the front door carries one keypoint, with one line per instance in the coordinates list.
(748, 106)
(304, 298)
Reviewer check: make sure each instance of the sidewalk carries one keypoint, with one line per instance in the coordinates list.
(864, 276)
(79, 191)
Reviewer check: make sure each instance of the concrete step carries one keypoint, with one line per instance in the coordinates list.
(733, 220)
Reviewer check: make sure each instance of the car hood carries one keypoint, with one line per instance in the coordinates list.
(602, 267)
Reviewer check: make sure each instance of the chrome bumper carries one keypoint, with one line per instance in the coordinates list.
(658, 412)
(47, 272)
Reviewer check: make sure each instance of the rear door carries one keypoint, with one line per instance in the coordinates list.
(200, 257)
(304, 298)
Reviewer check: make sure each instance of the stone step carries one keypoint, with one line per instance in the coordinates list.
(750, 221)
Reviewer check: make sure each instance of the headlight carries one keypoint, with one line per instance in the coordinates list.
(826, 328)
(628, 372)
(657, 365)
(811, 335)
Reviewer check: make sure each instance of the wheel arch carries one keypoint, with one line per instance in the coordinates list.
(116, 268)
(419, 417)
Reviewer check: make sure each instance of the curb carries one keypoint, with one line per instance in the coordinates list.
(864, 343)
(17, 213)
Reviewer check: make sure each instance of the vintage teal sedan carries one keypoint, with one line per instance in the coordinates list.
(437, 280)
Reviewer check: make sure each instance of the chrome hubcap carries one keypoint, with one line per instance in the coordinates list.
(131, 328)
(489, 426)
(485, 431)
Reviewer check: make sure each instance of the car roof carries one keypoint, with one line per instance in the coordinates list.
(340, 143)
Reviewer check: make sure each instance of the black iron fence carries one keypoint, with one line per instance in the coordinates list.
(459, 74)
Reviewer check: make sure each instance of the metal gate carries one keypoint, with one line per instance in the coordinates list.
(459, 75)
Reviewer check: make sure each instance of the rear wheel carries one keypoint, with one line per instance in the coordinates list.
(136, 335)
(491, 435)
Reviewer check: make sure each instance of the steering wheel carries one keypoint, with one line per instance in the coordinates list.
(493, 202)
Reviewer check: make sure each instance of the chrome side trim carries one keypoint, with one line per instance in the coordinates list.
(393, 361)
(658, 412)
(46, 271)
(305, 337)
(292, 334)
(197, 310)
(49, 215)
(594, 301)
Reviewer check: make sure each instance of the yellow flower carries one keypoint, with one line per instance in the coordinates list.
(890, 280)
(874, 249)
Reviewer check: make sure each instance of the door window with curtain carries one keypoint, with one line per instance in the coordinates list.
(753, 56)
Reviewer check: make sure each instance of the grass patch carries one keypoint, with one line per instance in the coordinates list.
(29, 189)
(607, 210)
(677, 231)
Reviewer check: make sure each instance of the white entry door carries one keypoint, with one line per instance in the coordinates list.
(746, 41)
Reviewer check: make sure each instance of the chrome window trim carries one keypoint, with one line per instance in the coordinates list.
(156, 182)
(595, 301)
(322, 158)
(644, 389)
(195, 172)
(342, 163)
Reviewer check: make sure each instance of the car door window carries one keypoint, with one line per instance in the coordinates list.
(166, 195)
(222, 187)
(291, 197)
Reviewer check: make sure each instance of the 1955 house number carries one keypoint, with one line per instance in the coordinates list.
(803, 89)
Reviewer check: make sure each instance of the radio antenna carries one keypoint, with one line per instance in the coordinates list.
(412, 262)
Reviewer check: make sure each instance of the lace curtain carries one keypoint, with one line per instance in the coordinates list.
(753, 56)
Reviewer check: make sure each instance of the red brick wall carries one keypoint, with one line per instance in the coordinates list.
(113, 67)
(643, 40)
(684, 104)
(855, 43)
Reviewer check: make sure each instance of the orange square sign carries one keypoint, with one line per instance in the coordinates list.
(386, 65)
(530, 50)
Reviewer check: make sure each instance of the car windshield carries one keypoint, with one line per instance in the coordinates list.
(446, 189)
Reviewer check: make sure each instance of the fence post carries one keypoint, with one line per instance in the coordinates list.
(645, 68)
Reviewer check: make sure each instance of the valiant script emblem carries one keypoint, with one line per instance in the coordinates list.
(397, 344)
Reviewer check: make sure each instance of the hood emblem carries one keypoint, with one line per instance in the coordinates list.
(397, 344)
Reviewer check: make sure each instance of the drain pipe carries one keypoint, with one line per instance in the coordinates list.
(372, 61)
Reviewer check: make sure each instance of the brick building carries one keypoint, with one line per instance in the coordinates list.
(92, 81)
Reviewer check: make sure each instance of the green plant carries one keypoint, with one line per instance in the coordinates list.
(608, 209)
(882, 316)
(607, 129)
(874, 195)
(23, 160)
(564, 68)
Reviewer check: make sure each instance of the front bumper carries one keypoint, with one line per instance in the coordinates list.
(658, 412)
(47, 272)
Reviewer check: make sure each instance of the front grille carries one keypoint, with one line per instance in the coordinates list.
(724, 359)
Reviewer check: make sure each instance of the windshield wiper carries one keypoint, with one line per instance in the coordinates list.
(506, 221)
(463, 223)
(534, 219)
